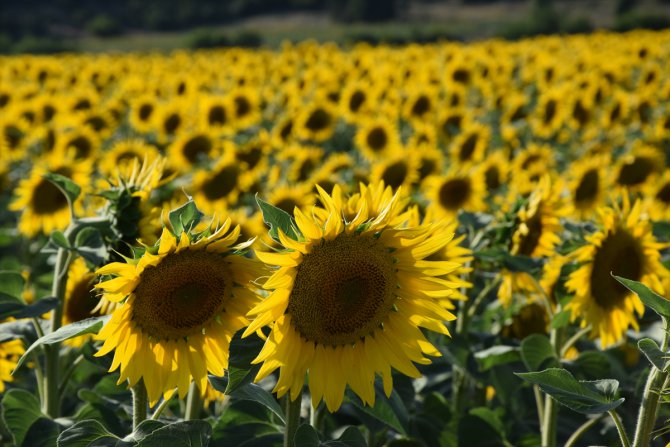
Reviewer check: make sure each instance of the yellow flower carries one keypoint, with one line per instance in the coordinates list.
(348, 300)
(10, 351)
(81, 301)
(181, 307)
(626, 247)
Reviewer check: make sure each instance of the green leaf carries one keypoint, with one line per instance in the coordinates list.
(653, 353)
(12, 307)
(85, 433)
(521, 263)
(43, 433)
(91, 246)
(12, 283)
(87, 326)
(497, 355)
(561, 319)
(180, 434)
(67, 186)
(59, 239)
(143, 430)
(351, 437)
(20, 410)
(390, 411)
(185, 218)
(306, 436)
(277, 218)
(657, 303)
(491, 418)
(537, 352)
(584, 397)
(255, 393)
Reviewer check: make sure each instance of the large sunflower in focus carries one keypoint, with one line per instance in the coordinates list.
(183, 303)
(349, 298)
(626, 247)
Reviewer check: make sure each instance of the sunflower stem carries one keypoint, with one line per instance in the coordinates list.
(620, 428)
(646, 418)
(163, 405)
(574, 339)
(292, 419)
(193, 403)
(550, 421)
(140, 403)
(51, 402)
(583, 429)
(68, 374)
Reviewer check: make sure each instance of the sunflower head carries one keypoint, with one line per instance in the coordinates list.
(181, 302)
(353, 288)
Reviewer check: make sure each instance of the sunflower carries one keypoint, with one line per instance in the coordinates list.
(181, 306)
(123, 152)
(142, 111)
(43, 206)
(216, 114)
(316, 122)
(496, 170)
(399, 170)
(170, 119)
(657, 198)
(458, 189)
(588, 185)
(348, 300)
(639, 166)
(245, 105)
(624, 246)
(289, 197)
(471, 144)
(193, 148)
(219, 187)
(13, 137)
(81, 301)
(376, 138)
(82, 142)
(10, 351)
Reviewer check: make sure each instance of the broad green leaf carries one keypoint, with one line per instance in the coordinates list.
(592, 365)
(561, 319)
(586, 397)
(185, 218)
(491, 418)
(59, 239)
(657, 303)
(20, 410)
(91, 246)
(85, 433)
(653, 353)
(390, 411)
(521, 263)
(306, 436)
(277, 218)
(351, 437)
(36, 309)
(11, 283)
(180, 434)
(67, 186)
(143, 430)
(87, 326)
(497, 355)
(537, 352)
(42, 433)
(255, 393)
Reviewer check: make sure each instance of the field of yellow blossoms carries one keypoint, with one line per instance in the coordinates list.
(426, 245)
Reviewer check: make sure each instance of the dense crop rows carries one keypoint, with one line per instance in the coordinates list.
(444, 223)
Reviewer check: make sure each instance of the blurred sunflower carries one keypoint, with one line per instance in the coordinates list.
(624, 246)
(639, 166)
(471, 144)
(81, 301)
(10, 352)
(657, 198)
(123, 152)
(181, 306)
(348, 300)
(142, 112)
(588, 185)
(458, 189)
(316, 122)
(193, 148)
(377, 138)
(217, 188)
(399, 170)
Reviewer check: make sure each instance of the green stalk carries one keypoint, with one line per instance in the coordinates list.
(583, 429)
(193, 403)
(550, 406)
(620, 428)
(292, 419)
(646, 419)
(140, 403)
(163, 405)
(51, 402)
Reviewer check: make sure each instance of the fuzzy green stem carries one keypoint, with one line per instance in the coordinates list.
(539, 402)
(193, 403)
(550, 420)
(583, 429)
(51, 402)
(620, 428)
(292, 419)
(573, 340)
(646, 419)
(140, 403)
(161, 407)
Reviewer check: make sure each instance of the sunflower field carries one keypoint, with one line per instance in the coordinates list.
(426, 245)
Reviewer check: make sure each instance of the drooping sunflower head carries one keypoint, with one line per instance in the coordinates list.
(352, 292)
(181, 303)
(624, 246)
